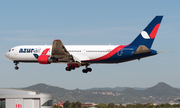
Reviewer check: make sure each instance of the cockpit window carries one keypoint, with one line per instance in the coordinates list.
(11, 50)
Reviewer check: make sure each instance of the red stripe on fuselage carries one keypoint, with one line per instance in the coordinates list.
(45, 51)
(110, 54)
(154, 31)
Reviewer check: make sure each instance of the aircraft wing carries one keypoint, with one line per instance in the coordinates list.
(60, 52)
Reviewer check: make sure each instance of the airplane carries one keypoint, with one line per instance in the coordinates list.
(84, 55)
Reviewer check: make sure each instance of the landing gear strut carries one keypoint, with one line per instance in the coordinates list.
(72, 66)
(16, 65)
(87, 69)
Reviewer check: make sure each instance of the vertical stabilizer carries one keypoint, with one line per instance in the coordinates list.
(147, 36)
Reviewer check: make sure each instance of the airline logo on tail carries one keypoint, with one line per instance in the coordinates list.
(152, 34)
(147, 36)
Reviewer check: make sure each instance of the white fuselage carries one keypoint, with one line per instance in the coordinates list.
(81, 52)
(84, 55)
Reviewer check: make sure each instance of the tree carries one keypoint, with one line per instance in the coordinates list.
(158, 106)
(129, 106)
(57, 107)
(111, 105)
(79, 104)
(121, 106)
(85, 106)
(66, 104)
(101, 105)
(167, 105)
(76, 104)
(162, 105)
(138, 105)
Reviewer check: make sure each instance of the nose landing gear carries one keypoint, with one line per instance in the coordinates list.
(16, 65)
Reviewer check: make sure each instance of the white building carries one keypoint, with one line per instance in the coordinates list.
(16, 98)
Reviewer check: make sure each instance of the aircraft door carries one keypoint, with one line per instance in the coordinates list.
(16, 51)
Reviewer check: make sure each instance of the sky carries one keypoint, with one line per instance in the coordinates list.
(91, 22)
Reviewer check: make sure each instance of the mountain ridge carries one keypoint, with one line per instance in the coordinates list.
(161, 92)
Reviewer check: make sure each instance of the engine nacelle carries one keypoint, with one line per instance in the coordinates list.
(44, 59)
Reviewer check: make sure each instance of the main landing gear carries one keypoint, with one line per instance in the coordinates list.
(73, 66)
(70, 68)
(87, 69)
(16, 65)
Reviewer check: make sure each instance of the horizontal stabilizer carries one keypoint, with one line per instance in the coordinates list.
(142, 49)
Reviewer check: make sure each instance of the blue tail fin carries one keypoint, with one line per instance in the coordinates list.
(146, 37)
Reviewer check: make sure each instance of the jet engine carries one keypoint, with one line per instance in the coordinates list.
(44, 59)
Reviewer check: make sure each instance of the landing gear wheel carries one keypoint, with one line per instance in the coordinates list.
(16, 67)
(68, 69)
(72, 67)
(84, 71)
(89, 69)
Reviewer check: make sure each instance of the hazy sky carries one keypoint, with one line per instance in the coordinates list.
(90, 22)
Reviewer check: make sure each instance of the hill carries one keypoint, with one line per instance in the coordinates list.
(162, 89)
(118, 89)
(160, 93)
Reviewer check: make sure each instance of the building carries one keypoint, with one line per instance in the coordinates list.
(59, 104)
(89, 104)
(16, 98)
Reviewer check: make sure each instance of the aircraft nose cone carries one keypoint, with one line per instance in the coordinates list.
(7, 55)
